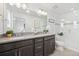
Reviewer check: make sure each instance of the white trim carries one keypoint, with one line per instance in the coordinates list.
(73, 49)
(59, 43)
(70, 48)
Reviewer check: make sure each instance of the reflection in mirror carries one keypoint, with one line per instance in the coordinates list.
(18, 20)
(1, 24)
(1, 18)
(19, 25)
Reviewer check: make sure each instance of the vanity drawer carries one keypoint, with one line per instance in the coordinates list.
(24, 43)
(37, 40)
(7, 46)
(39, 47)
(49, 37)
(13, 45)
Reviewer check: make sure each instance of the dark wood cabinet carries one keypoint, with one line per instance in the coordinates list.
(26, 51)
(38, 47)
(9, 53)
(39, 54)
(41, 46)
(49, 46)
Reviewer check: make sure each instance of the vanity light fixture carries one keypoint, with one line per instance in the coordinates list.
(39, 11)
(45, 13)
(24, 6)
(27, 11)
(11, 4)
(42, 12)
(18, 5)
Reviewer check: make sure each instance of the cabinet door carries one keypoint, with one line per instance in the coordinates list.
(46, 48)
(9, 53)
(26, 51)
(38, 51)
(49, 47)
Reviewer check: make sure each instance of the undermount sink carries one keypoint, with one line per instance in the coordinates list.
(22, 34)
(27, 34)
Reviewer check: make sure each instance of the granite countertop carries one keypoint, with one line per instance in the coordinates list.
(24, 37)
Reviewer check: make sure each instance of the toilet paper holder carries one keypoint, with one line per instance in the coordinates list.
(61, 34)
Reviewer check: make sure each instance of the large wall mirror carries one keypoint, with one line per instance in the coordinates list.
(1, 18)
(21, 19)
(18, 24)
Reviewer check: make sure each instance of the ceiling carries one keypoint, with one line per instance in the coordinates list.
(55, 9)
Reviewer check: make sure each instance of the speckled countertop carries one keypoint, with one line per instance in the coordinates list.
(24, 37)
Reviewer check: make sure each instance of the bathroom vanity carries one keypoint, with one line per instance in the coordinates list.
(30, 45)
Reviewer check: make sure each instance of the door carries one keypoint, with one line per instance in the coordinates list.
(9, 53)
(26, 51)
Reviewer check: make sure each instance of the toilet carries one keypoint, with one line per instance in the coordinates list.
(60, 45)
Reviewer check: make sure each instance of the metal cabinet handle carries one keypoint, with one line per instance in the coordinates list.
(39, 47)
(39, 40)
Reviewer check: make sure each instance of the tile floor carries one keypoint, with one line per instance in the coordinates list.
(65, 52)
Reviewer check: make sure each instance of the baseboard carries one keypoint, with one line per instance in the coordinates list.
(60, 43)
(73, 49)
(70, 48)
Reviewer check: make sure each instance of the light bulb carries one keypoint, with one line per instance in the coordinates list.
(24, 6)
(39, 11)
(18, 5)
(11, 4)
(27, 11)
(45, 13)
(42, 12)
